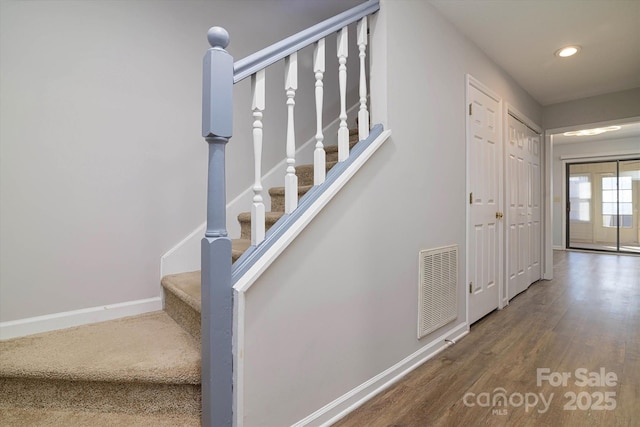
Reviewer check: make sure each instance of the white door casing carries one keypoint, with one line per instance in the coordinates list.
(534, 212)
(484, 184)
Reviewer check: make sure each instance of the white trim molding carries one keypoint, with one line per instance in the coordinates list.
(350, 401)
(604, 156)
(68, 319)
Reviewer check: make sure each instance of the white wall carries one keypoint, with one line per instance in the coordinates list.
(103, 168)
(595, 109)
(339, 306)
(577, 151)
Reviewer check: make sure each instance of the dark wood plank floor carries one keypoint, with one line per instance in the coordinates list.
(587, 317)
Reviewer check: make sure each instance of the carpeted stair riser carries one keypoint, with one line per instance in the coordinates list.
(305, 173)
(139, 365)
(99, 396)
(331, 151)
(277, 196)
(245, 222)
(38, 417)
(186, 316)
(182, 300)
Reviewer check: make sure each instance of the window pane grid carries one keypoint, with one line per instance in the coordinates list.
(580, 198)
(617, 194)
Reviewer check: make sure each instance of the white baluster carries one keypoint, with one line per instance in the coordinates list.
(363, 114)
(290, 179)
(343, 131)
(257, 105)
(319, 159)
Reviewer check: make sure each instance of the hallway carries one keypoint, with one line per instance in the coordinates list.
(587, 317)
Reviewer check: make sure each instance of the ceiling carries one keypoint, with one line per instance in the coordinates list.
(521, 36)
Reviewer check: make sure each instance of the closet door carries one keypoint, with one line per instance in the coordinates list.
(523, 213)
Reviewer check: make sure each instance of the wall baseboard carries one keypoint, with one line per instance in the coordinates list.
(557, 248)
(353, 399)
(68, 319)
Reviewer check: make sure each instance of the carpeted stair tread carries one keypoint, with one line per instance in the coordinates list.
(305, 172)
(238, 247)
(277, 196)
(279, 191)
(37, 417)
(244, 219)
(186, 286)
(149, 348)
(269, 217)
(353, 140)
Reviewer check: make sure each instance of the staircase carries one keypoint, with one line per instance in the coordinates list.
(146, 370)
(137, 371)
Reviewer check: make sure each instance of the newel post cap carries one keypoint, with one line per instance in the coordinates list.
(218, 37)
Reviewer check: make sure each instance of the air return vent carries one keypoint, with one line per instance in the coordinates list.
(438, 302)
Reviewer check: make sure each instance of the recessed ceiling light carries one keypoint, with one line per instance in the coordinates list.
(568, 51)
(589, 132)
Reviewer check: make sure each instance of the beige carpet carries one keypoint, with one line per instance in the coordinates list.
(50, 418)
(144, 365)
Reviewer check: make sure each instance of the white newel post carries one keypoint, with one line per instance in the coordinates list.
(257, 105)
(291, 180)
(343, 131)
(319, 159)
(363, 114)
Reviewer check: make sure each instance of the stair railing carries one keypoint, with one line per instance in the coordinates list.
(220, 73)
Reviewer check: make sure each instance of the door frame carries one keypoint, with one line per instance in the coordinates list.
(472, 81)
(513, 111)
(549, 187)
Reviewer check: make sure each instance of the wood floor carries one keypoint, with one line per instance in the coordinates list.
(587, 317)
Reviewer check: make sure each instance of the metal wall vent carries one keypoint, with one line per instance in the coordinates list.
(438, 299)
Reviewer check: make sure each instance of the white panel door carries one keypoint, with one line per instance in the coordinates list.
(516, 212)
(523, 196)
(484, 230)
